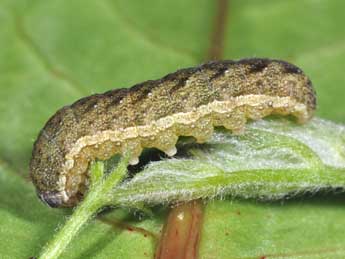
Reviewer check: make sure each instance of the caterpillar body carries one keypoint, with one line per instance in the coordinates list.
(189, 102)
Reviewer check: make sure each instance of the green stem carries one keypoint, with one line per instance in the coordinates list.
(269, 183)
(96, 198)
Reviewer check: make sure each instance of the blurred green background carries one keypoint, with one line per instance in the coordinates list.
(55, 52)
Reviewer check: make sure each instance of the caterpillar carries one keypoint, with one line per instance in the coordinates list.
(189, 102)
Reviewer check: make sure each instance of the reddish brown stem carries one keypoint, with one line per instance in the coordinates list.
(181, 233)
(122, 225)
(218, 35)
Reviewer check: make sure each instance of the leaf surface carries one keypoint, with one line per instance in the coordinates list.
(52, 53)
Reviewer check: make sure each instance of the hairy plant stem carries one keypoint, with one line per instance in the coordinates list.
(98, 196)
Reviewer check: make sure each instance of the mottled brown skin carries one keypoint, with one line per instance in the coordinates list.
(149, 101)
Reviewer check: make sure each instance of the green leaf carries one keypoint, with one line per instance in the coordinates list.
(52, 53)
(271, 160)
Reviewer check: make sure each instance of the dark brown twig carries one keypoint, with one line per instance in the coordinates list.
(216, 49)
